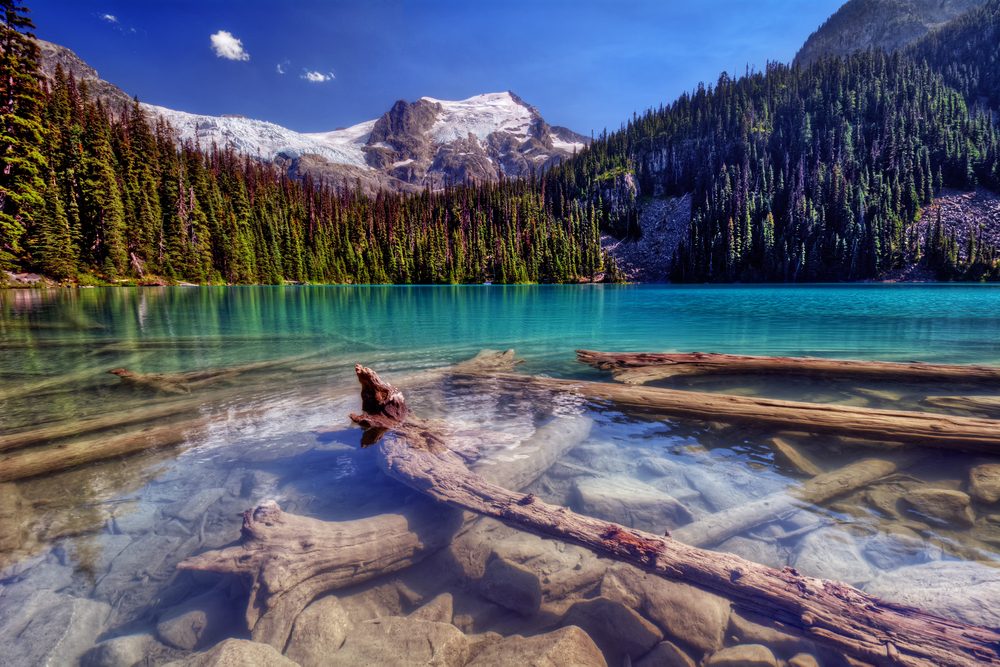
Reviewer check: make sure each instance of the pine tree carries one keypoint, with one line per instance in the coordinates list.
(22, 162)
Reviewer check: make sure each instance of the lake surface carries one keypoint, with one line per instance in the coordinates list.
(90, 554)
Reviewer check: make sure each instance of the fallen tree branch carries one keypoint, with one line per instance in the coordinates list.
(831, 613)
(291, 560)
(642, 367)
(974, 434)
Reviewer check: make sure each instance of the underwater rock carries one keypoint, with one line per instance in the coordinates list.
(192, 508)
(236, 653)
(831, 553)
(617, 629)
(897, 548)
(628, 501)
(803, 660)
(665, 654)
(758, 551)
(318, 632)
(744, 655)
(440, 609)
(510, 585)
(684, 612)
(944, 507)
(394, 640)
(984, 483)
(47, 628)
(601, 456)
(963, 590)
(197, 622)
(565, 646)
(119, 652)
(749, 628)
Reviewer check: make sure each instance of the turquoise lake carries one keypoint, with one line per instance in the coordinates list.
(244, 393)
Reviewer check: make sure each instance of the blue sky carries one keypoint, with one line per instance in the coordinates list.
(585, 64)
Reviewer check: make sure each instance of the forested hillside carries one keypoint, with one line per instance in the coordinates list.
(818, 173)
(967, 53)
(91, 193)
(807, 174)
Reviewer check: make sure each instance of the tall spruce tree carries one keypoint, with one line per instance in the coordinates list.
(22, 161)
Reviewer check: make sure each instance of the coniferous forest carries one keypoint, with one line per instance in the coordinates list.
(796, 174)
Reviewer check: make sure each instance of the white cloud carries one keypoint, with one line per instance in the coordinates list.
(110, 18)
(280, 67)
(229, 47)
(314, 76)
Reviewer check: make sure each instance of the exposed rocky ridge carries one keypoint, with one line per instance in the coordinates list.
(428, 142)
(663, 224)
(883, 24)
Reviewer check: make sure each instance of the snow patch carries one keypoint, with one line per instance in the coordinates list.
(480, 116)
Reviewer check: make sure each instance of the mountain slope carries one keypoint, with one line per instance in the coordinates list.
(967, 53)
(428, 142)
(885, 24)
(793, 174)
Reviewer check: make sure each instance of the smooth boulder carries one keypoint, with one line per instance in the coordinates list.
(563, 647)
(943, 507)
(236, 653)
(319, 630)
(984, 483)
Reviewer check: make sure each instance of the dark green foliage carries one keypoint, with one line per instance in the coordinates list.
(124, 202)
(797, 174)
(967, 53)
(22, 163)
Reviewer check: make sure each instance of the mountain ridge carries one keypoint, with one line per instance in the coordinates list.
(427, 142)
(884, 24)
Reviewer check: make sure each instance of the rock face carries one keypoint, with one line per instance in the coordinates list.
(882, 24)
(663, 225)
(566, 646)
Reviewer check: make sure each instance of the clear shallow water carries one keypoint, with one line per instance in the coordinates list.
(111, 533)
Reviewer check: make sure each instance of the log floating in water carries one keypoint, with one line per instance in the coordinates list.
(642, 367)
(715, 528)
(974, 434)
(830, 613)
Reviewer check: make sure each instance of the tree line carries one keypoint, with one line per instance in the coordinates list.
(94, 193)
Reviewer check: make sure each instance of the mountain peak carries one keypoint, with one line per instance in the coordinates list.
(883, 24)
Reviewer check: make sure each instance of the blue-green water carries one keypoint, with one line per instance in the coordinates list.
(111, 533)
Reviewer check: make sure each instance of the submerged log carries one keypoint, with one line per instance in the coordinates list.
(77, 427)
(715, 528)
(830, 613)
(974, 434)
(291, 560)
(642, 367)
(981, 404)
(34, 461)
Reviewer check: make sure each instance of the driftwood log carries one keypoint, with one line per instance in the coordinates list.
(715, 528)
(833, 614)
(642, 367)
(974, 434)
(59, 447)
(291, 560)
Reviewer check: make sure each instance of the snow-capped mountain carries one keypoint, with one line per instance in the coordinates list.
(414, 144)
(427, 142)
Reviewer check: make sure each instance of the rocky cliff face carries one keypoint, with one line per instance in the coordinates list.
(428, 142)
(884, 24)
